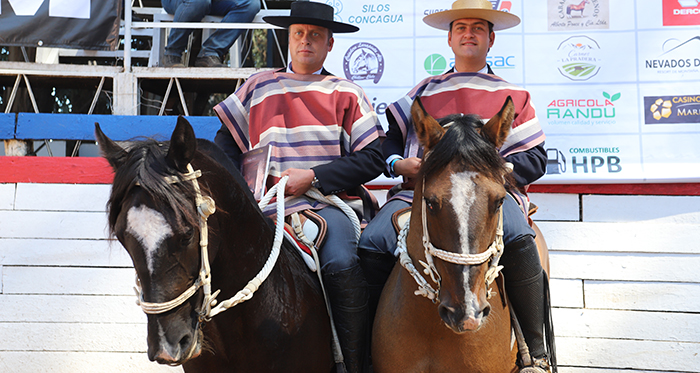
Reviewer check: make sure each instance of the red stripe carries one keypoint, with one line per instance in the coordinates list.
(656, 189)
(470, 101)
(95, 170)
(310, 108)
(58, 170)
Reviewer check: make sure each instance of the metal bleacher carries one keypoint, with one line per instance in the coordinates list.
(132, 90)
(163, 21)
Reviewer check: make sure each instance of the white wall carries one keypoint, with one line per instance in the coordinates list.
(624, 283)
(66, 297)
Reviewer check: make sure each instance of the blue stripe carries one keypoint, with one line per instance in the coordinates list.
(274, 80)
(310, 158)
(522, 142)
(236, 126)
(303, 143)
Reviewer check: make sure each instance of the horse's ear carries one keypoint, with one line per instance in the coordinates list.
(429, 131)
(497, 128)
(183, 145)
(113, 153)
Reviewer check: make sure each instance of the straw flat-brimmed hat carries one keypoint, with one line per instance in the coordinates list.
(311, 13)
(482, 9)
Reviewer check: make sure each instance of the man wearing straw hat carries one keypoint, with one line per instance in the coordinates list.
(471, 88)
(324, 133)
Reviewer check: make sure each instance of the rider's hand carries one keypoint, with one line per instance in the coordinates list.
(299, 181)
(408, 168)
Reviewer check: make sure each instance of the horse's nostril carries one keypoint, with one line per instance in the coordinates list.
(486, 311)
(445, 312)
(185, 343)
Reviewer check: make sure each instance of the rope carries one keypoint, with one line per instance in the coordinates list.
(247, 292)
(424, 287)
(339, 203)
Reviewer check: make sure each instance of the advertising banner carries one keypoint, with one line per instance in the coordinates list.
(616, 84)
(78, 24)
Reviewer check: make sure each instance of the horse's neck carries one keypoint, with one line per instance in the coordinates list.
(245, 237)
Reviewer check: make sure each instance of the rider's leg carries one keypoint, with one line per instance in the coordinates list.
(376, 249)
(524, 277)
(346, 286)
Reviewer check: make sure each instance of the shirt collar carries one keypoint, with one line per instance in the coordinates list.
(289, 70)
(484, 70)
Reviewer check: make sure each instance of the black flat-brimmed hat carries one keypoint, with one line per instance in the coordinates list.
(311, 13)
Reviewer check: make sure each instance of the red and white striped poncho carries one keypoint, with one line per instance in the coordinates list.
(308, 120)
(470, 93)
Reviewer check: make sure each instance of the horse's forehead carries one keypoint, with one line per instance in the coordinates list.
(150, 228)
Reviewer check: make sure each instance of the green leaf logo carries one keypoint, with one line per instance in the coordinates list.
(612, 98)
(435, 64)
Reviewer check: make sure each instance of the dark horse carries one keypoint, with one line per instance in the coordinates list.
(453, 230)
(284, 327)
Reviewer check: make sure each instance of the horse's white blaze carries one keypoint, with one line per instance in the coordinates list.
(463, 197)
(150, 228)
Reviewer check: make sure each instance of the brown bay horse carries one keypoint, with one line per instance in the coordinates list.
(452, 240)
(161, 211)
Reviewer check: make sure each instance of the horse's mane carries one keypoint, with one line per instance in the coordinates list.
(463, 143)
(218, 155)
(146, 167)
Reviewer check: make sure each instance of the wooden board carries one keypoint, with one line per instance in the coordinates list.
(117, 127)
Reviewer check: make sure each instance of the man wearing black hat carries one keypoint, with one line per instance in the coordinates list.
(323, 133)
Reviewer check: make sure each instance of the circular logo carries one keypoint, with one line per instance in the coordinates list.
(661, 108)
(579, 58)
(363, 61)
(435, 64)
(337, 8)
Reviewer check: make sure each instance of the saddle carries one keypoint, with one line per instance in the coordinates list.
(304, 228)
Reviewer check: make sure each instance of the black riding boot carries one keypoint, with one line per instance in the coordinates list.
(525, 285)
(377, 267)
(347, 292)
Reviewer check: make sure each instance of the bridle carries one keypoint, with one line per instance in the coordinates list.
(205, 207)
(493, 253)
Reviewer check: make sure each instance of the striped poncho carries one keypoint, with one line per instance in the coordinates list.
(307, 120)
(470, 93)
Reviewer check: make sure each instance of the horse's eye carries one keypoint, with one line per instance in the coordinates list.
(499, 203)
(430, 204)
(187, 237)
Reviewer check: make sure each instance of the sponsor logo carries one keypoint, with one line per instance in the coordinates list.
(73, 9)
(337, 8)
(681, 12)
(677, 57)
(363, 61)
(672, 109)
(435, 64)
(579, 58)
(584, 160)
(502, 5)
(565, 15)
(501, 62)
(376, 13)
(583, 111)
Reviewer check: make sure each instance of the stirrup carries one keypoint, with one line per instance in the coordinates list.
(538, 366)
